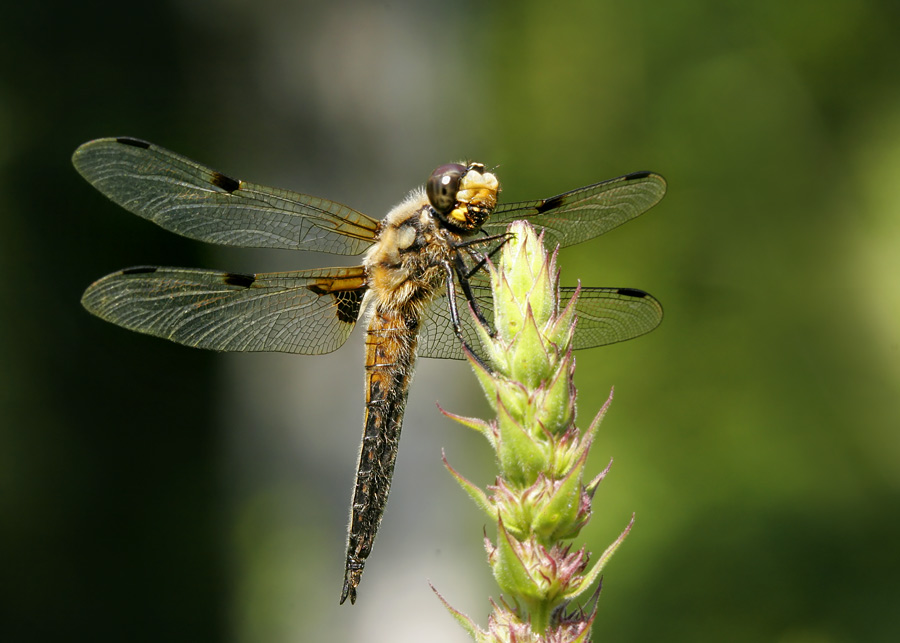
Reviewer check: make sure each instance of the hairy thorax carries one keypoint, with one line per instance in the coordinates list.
(405, 267)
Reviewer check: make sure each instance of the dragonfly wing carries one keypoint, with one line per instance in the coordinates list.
(197, 202)
(605, 316)
(308, 311)
(611, 315)
(585, 213)
(437, 338)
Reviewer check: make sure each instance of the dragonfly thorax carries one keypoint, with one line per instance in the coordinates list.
(406, 264)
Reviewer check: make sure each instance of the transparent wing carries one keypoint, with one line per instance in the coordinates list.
(582, 214)
(612, 315)
(605, 316)
(437, 337)
(308, 311)
(195, 201)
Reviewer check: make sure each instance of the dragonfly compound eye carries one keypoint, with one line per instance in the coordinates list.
(442, 186)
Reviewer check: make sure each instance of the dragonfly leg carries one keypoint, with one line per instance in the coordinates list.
(454, 312)
(463, 275)
(480, 257)
(463, 272)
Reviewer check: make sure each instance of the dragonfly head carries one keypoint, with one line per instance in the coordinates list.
(463, 196)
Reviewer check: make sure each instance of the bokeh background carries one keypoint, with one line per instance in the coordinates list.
(151, 492)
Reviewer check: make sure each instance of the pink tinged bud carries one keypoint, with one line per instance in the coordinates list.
(562, 327)
(559, 516)
(512, 565)
(554, 401)
(512, 508)
(509, 314)
(513, 396)
(519, 455)
(529, 361)
(496, 350)
(489, 382)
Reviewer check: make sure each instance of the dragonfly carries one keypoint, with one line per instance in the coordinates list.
(421, 264)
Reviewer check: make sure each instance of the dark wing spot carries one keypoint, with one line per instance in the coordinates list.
(225, 182)
(632, 292)
(550, 204)
(139, 270)
(637, 175)
(135, 142)
(348, 303)
(239, 279)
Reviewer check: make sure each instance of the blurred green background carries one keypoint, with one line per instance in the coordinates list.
(152, 492)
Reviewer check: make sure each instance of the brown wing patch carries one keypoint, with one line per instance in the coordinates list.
(224, 181)
(347, 289)
(134, 142)
(239, 279)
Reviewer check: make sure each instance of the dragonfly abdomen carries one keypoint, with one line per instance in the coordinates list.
(390, 353)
